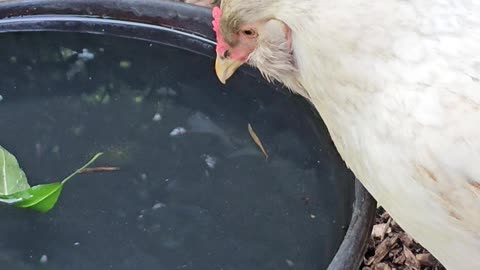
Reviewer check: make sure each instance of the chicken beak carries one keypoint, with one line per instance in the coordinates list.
(225, 67)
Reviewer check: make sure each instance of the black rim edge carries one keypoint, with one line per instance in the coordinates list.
(351, 251)
(176, 15)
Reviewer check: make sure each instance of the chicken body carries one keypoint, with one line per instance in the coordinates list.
(398, 85)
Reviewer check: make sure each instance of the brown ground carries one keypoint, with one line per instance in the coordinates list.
(391, 248)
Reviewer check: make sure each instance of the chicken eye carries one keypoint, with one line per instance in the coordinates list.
(248, 32)
(226, 54)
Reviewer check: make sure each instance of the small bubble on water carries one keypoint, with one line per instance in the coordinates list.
(86, 55)
(178, 131)
(210, 161)
(76, 244)
(44, 259)
(1, 97)
(158, 206)
(157, 117)
(56, 149)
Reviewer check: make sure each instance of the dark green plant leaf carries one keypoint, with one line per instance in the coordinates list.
(12, 177)
(42, 198)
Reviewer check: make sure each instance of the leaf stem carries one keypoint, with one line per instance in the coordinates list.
(83, 167)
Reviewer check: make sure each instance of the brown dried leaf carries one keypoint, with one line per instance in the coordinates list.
(382, 250)
(406, 239)
(394, 252)
(395, 224)
(257, 140)
(386, 228)
(426, 259)
(410, 259)
(400, 258)
(385, 216)
(378, 230)
(370, 261)
(396, 258)
(380, 266)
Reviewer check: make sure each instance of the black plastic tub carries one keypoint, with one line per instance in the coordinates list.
(135, 80)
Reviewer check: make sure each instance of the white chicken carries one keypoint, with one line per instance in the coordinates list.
(398, 85)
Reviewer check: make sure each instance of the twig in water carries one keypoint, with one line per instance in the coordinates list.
(98, 169)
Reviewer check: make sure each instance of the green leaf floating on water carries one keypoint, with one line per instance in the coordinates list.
(41, 198)
(12, 177)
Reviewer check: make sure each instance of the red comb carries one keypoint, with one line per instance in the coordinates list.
(221, 44)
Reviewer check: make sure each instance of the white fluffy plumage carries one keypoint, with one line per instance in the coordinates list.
(398, 85)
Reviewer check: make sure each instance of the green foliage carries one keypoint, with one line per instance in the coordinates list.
(15, 190)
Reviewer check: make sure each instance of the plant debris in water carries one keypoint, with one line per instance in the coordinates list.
(15, 190)
(99, 169)
(257, 140)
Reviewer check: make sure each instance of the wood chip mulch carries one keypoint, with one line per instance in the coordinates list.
(390, 248)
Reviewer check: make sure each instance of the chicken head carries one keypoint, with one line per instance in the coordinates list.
(261, 41)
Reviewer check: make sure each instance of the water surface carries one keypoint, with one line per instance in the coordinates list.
(193, 192)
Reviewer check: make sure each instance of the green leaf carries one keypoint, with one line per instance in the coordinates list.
(42, 198)
(12, 177)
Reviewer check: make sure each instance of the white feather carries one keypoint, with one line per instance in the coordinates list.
(398, 85)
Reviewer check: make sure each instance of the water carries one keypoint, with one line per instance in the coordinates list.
(193, 192)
